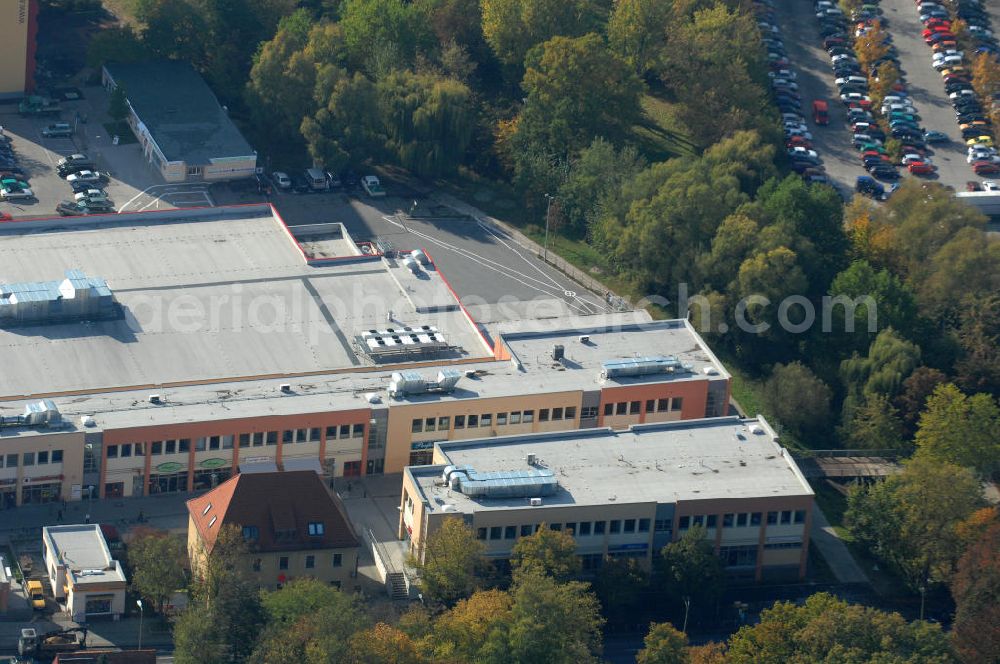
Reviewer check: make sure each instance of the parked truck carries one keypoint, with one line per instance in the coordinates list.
(46, 646)
(36, 595)
(36, 105)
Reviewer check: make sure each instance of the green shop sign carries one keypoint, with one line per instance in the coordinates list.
(213, 463)
(169, 467)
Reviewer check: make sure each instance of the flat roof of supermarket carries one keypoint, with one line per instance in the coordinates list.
(213, 295)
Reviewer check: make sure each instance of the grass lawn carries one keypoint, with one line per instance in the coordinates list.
(660, 135)
(123, 9)
(834, 504)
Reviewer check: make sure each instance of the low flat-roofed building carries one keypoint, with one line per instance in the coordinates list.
(623, 493)
(82, 574)
(185, 134)
(293, 526)
(240, 344)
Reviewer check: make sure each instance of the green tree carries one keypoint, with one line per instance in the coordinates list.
(892, 304)
(382, 644)
(913, 397)
(345, 129)
(547, 552)
(975, 587)
(372, 25)
(307, 622)
(691, 569)
(453, 563)
(596, 175)
(197, 639)
(967, 264)
(619, 585)
(714, 57)
(118, 105)
(513, 27)
(464, 632)
(827, 630)
(875, 425)
(427, 121)
(117, 44)
(909, 520)
(890, 361)
(551, 623)
(798, 400)
(576, 90)
(663, 645)
(637, 33)
(157, 561)
(960, 429)
(173, 29)
(978, 367)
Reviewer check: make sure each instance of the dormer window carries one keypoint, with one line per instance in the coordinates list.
(250, 533)
(316, 528)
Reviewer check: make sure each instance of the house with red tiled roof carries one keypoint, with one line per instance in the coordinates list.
(293, 525)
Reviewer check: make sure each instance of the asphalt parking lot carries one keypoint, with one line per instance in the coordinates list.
(495, 278)
(926, 88)
(800, 32)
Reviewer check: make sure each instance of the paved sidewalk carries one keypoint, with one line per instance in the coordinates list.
(834, 551)
(164, 511)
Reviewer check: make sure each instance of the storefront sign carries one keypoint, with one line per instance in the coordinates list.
(213, 463)
(426, 445)
(256, 459)
(169, 467)
(44, 478)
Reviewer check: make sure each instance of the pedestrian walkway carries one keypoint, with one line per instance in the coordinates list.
(165, 511)
(834, 551)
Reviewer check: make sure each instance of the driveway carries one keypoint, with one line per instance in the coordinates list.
(834, 551)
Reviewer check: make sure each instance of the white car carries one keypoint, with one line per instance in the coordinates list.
(16, 194)
(783, 73)
(282, 180)
(793, 118)
(830, 11)
(372, 186)
(898, 108)
(784, 82)
(991, 185)
(945, 53)
(913, 157)
(73, 158)
(895, 99)
(980, 31)
(799, 150)
(95, 195)
(964, 92)
(83, 176)
(860, 80)
(843, 57)
(949, 61)
(848, 97)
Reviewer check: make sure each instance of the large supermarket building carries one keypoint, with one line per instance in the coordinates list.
(166, 351)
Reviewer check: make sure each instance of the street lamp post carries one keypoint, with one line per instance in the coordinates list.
(687, 605)
(138, 603)
(548, 208)
(923, 594)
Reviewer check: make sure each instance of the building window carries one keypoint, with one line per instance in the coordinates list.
(609, 409)
(12, 461)
(244, 440)
(338, 559)
(515, 418)
(126, 450)
(621, 408)
(599, 527)
(353, 468)
(739, 556)
(193, 171)
(316, 528)
(214, 442)
(525, 530)
(29, 458)
(556, 527)
(584, 529)
(630, 525)
(310, 561)
(588, 413)
(486, 420)
(570, 413)
(287, 436)
(200, 444)
(473, 421)
(772, 518)
(663, 525)
(543, 415)
(727, 520)
(755, 519)
(571, 528)
(250, 533)
(314, 434)
(417, 426)
(43, 458)
(258, 439)
(557, 413)
(212, 521)
(272, 437)
(676, 404)
(496, 532)
(345, 430)
(460, 421)
(741, 519)
(698, 520)
(358, 431)
(501, 419)
(684, 523)
(662, 405)
(800, 515)
(643, 525)
(331, 432)
(510, 532)
(444, 423)
(57, 457)
(156, 448)
(616, 526)
(633, 408)
(429, 424)
(283, 562)
(481, 533)
(710, 522)
(650, 405)
(786, 517)
(112, 452)
(528, 417)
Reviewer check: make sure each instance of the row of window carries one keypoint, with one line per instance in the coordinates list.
(310, 562)
(259, 439)
(581, 529)
(652, 406)
(743, 519)
(31, 458)
(423, 425)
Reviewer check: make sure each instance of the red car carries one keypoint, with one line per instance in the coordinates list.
(798, 141)
(5, 217)
(920, 168)
(985, 168)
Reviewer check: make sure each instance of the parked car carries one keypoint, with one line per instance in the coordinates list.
(281, 180)
(71, 209)
(15, 194)
(869, 186)
(935, 137)
(373, 187)
(83, 176)
(985, 168)
(58, 130)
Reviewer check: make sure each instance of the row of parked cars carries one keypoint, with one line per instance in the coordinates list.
(950, 62)
(13, 179)
(785, 89)
(87, 184)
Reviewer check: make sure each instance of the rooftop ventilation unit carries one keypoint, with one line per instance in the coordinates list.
(36, 414)
(155, 398)
(503, 484)
(286, 388)
(532, 459)
(75, 298)
(405, 383)
(535, 502)
(643, 366)
(558, 352)
(393, 342)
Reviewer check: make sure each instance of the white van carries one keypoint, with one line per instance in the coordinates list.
(316, 179)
